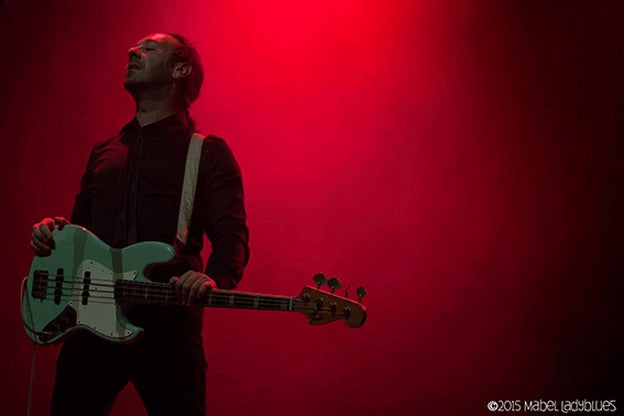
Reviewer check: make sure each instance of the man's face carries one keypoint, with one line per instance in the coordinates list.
(149, 61)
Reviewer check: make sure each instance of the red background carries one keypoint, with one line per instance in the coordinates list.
(461, 160)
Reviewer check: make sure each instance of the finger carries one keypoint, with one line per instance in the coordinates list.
(46, 229)
(37, 234)
(38, 244)
(193, 291)
(179, 282)
(205, 288)
(182, 279)
(174, 281)
(186, 287)
(39, 251)
(46, 226)
(61, 222)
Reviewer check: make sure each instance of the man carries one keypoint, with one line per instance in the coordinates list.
(131, 192)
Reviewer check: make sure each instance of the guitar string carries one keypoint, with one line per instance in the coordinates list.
(129, 288)
(160, 289)
(152, 285)
(81, 279)
(77, 292)
(101, 300)
(156, 295)
(71, 279)
(155, 291)
(305, 310)
(140, 285)
(246, 303)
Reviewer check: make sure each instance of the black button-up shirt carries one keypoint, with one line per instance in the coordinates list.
(131, 192)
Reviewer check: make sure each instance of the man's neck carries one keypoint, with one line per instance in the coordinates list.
(145, 117)
(151, 108)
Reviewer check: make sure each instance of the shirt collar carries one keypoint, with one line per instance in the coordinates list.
(171, 123)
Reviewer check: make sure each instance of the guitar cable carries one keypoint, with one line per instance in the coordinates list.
(32, 376)
(32, 360)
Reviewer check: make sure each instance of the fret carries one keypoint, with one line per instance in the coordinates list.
(162, 293)
(225, 299)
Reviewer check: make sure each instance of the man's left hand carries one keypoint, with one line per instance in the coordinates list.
(192, 286)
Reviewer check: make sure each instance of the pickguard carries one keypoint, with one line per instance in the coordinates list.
(99, 313)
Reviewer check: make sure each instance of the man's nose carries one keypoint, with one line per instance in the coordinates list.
(133, 52)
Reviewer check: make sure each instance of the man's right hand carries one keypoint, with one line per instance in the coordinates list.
(41, 241)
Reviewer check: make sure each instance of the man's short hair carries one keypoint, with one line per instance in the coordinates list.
(190, 86)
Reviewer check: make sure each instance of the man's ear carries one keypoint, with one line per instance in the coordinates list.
(181, 70)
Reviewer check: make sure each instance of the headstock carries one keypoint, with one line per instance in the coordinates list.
(321, 307)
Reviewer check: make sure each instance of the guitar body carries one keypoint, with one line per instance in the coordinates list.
(74, 288)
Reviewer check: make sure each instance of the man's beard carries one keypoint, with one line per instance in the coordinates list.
(142, 88)
(154, 81)
(135, 86)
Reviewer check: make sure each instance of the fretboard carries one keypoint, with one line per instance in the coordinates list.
(131, 292)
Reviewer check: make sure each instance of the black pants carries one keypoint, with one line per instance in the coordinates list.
(168, 372)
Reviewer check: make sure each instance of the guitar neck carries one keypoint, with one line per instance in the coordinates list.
(132, 292)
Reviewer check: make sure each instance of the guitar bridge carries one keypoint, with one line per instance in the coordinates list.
(64, 321)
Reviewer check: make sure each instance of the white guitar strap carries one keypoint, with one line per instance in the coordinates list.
(187, 200)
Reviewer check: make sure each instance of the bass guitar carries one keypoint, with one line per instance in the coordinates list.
(85, 284)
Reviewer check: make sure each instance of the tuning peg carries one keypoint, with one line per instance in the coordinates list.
(319, 279)
(347, 290)
(333, 284)
(361, 292)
